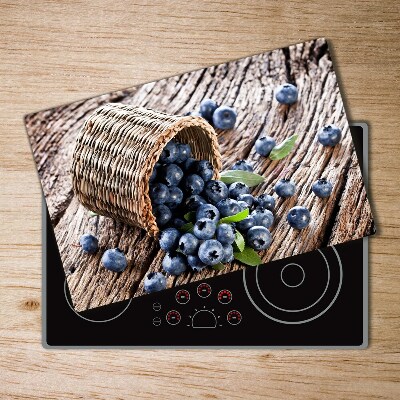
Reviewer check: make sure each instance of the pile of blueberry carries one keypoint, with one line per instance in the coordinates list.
(221, 117)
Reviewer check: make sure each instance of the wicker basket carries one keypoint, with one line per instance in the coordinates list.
(115, 154)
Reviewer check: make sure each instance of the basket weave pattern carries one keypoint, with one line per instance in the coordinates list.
(115, 154)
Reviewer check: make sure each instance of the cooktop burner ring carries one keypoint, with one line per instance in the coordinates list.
(260, 301)
(289, 284)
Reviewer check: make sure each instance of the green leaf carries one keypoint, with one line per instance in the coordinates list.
(283, 149)
(239, 241)
(235, 218)
(248, 256)
(218, 267)
(187, 228)
(190, 216)
(249, 178)
(92, 214)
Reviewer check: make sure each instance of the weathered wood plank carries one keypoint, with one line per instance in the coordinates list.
(247, 85)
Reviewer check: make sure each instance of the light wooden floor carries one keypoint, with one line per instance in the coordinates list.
(53, 53)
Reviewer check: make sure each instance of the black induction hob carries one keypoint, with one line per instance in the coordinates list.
(316, 299)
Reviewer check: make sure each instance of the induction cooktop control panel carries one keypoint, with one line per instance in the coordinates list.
(202, 308)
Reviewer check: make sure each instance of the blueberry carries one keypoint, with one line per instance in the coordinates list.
(225, 234)
(228, 253)
(171, 175)
(154, 282)
(262, 217)
(265, 201)
(169, 153)
(243, 205)
(184, 152)
(299, 217)
(211, 252)
(224, 117)
(188, 244)
(207, 211)
(322, 188)
(193, 202)
(193, 184)
(248, 198)
(205, 170)
(238, 188)
(242, 165)
(286, 94)
(163, 215)
(207, 108)
(228, 207)
(169, 239)
(190, 165)
(264, 145)
(174, 263)
(175, 197)
(153, 175)
(195, 263)
(329, 135)
(178, 223)
(245, 224)
(285, 188)
(89, 243)
(114, 260)
(159, 193)
(258, 238)
(204, 229)
(216, 191)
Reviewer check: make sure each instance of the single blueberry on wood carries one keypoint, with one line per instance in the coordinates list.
(89, 243)
(154, 282)
(224, 117)
(285, 188)
(207, 108)
(322, 188)
(114, 260)
(299, 217)
(264, 145)
(330, 135)
(286, 94)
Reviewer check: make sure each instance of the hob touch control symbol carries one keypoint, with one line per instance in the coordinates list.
(182, 296)
(234, 317)
(224, 296)
(204, 290)
(173, 317)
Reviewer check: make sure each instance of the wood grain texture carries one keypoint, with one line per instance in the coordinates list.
(55, 53)
(248, 85)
